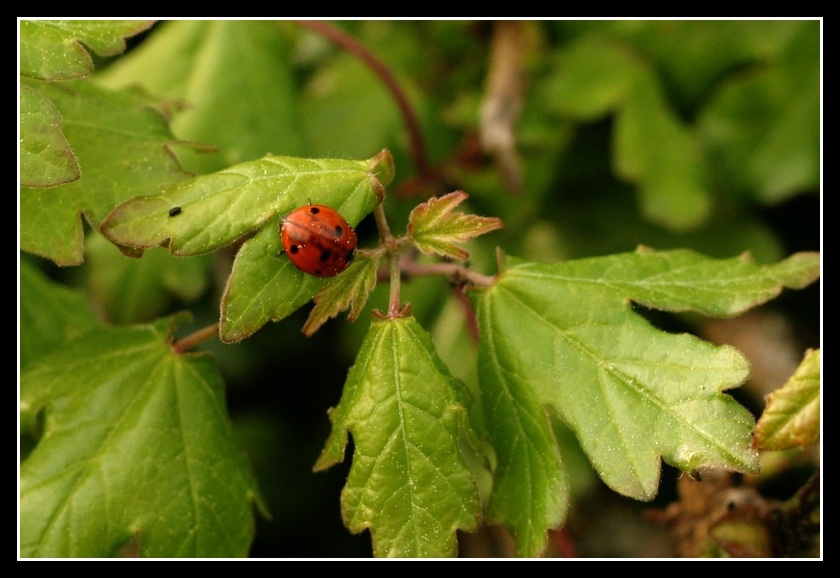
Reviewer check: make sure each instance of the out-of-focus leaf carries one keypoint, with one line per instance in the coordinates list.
(592, 77)
(50, 314)
(52, 49)
(116, 165)
(764, 127)
(563, 337)
(652, 148)
(347, 94)
(136, 290)
(664, 157)
(408, 483)
(236, 80)
(792, 416)
(137, 447)
(45, 156)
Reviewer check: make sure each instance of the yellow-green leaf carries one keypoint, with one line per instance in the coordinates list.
(52, 49)
(349, 289)
(435, 229)
(408, 483)
(792, 416)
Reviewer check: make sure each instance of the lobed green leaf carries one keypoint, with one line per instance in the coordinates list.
(52, 49)
(408, 483)
(211, 211)
(137, 451)
(563, 337)
(116, 165)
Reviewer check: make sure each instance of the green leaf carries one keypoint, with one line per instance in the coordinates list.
(346, 93)
(664, 157)
(563, 337)
(211, 211)
(434, 228)
(764, 127)
(792, 416)
(652, 148)
(350, 289)
(408, 483)
(45, 156)
(246, 202)
(50, 314)
(593, 76)
(122, 148)
(52, 49)
(137, 448)
(237, 80)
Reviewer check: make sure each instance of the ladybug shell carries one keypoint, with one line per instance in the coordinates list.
(318, 240)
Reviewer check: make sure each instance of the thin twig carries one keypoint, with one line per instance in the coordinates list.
(347, 42)
(195, 339)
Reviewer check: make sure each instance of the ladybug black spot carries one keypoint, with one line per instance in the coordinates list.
(325, 256)
(294, 249)
(314, 210)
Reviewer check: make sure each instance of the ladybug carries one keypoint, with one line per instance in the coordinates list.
(318, 240)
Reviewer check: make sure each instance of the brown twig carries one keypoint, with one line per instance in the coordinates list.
(195, 339)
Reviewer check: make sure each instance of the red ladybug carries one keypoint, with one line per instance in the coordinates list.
(318, 240)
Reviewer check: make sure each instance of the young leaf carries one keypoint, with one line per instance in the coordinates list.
(408, 483)
(563, 337)
(350, 289)
(137, 447)
(792, 416)
(52, 49)
(45, 156)
(434, 228)
(116, 165)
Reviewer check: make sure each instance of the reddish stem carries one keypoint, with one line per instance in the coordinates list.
(353, 46)
(195, 339)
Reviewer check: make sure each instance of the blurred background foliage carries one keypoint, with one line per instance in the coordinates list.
(586, 137)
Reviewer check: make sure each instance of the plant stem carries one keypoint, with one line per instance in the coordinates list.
(351, 45)
(195, 339)
(457, 273)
